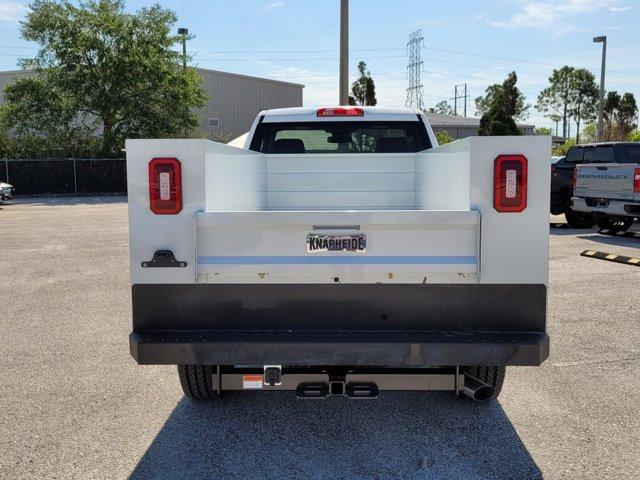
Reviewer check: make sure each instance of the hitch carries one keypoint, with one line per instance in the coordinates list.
(272, 375)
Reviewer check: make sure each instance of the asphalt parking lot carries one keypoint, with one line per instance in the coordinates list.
(74, 404)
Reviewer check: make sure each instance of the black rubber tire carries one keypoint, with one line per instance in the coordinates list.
(578, 219)
(492, 376)
(196, 381)
(615, 224)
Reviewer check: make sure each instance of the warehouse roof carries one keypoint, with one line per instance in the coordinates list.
(201, 70)
(440, 120)
(260, 79)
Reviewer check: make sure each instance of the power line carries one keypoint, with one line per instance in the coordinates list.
(414, 69)
(435, 49)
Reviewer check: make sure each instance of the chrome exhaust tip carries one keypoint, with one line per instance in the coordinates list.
(476, 389)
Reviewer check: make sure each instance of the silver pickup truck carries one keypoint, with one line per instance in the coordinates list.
(608, 184)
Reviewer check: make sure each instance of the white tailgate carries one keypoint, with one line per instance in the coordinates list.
(605, 180)
(264, 243)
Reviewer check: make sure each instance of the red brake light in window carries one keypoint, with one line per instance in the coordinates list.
(340, 112)
(636, 180)
(165, 186)
(510, 183)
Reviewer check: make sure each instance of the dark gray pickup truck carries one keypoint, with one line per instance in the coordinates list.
(607, 185)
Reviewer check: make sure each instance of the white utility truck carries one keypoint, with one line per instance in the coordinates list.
(339, 253)
(608, 184)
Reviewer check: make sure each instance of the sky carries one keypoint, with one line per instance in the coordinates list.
(472, 42)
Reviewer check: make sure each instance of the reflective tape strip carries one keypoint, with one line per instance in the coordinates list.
(359, 259)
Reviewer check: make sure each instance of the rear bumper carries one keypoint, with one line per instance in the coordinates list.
(362, 348)
(618, 208)
(343, 324)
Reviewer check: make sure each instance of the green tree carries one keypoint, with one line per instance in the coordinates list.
(584, 100)
(363, 90)
(484, 103)
(444, 137)
(558, 96)
(619, 114)
(543, 131)
(105, 72)
(499, 118)
(443, 108)
(564, 148)
(590, 133)
(634, 136)
(554, 117)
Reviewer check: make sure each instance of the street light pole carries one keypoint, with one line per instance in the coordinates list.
(184, 32)
(344, 52)
(603, 40)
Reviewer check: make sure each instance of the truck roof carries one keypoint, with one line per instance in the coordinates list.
(602, 144)
(308, 114)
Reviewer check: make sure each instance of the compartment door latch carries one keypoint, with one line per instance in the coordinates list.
(163, 258)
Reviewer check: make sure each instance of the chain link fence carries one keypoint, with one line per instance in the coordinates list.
(69, 176)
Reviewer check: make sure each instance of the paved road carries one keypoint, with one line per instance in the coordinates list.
(73, 404)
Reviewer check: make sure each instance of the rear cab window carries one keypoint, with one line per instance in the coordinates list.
(574, 155)
(340, 137)
(596, 154)
(629, 153)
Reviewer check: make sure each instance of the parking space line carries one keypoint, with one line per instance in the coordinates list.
(610, 257)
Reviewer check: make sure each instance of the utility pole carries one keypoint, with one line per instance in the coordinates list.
(456, 97)
(344, 52)
(184, 32)
(414, 69)
(455, 100)
(603, 40)
(465, 99)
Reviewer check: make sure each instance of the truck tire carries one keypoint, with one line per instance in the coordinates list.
(492, 376)
(615, 224)
(578, 219)
(196, 381)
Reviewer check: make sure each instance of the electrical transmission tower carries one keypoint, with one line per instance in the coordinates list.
(414, 70)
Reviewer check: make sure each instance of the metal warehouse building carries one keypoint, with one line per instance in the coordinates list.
(234, 100)
(462, 127)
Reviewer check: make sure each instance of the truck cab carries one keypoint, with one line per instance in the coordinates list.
(339, 252)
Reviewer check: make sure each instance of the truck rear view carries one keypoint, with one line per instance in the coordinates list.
(607, 184)
(341, 252)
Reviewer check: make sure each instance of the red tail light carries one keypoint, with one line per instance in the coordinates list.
(165, 186)
(636, 180)
(575, 178)
(510, 183)
(340, 112)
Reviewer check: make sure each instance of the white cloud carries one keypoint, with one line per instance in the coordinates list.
(553, 14)
(11, 11)
(272, 5)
